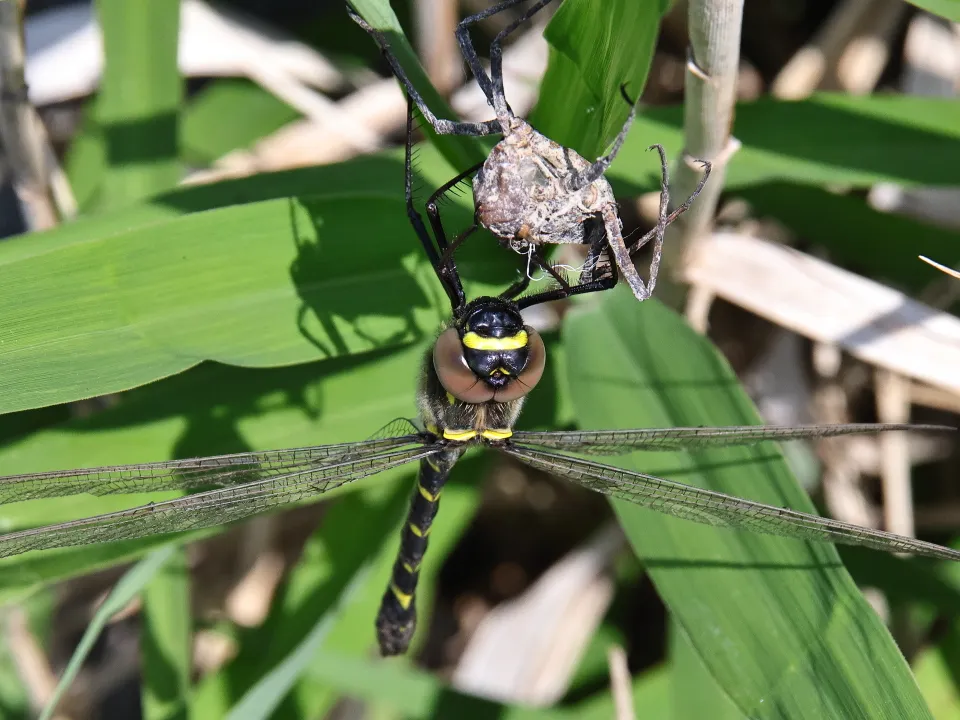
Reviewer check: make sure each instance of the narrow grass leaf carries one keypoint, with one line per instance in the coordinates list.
(230, 114)
(827, 138)
(166, 637)
(264, 697)
(460, 151)
(354, 530)
(140, 95)
(125, 590)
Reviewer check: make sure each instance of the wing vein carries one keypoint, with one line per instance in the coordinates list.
(714, 508)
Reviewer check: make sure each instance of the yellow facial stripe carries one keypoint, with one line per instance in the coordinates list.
(459, 435)
(403, 598)
(512, 342)
(497, 434)
(410, 568)
(428, 496)
(417, 531)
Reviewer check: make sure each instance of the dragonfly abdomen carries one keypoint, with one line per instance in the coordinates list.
(397, 618)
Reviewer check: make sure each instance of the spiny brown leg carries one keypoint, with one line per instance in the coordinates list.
(661, 225)
(707, 167)
(664, 219)
(620, 253)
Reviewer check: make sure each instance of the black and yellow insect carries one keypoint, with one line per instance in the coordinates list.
(474, 380)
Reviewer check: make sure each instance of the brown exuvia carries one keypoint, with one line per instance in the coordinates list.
(532, 191)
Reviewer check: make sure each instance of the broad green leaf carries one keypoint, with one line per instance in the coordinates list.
(128, 588)
(778, 623)
(826, 139)
(593, 51)
(257, 285)
(695, 693)
(166, 641)
(140, 94)
(209, 410)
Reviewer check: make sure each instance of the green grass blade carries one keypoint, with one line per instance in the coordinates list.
(328, 565)
(140, 97)
(778, 623)
(412, 693)
(166, 641)
(461, 152)
(125, 590)
(230, 114)
(107, 305)
(264, 697)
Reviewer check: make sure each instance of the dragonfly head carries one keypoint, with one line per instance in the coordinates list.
(489, 354)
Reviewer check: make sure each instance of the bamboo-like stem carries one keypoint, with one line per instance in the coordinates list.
(710, 92)
(21, 130)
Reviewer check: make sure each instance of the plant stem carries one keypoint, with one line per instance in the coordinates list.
(710, 93)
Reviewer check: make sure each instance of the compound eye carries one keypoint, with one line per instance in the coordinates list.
(531, 374)
(453, 372)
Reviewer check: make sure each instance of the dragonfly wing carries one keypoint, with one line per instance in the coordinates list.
(621, 442)
(189, 474)
(210, 508)
(713, 508)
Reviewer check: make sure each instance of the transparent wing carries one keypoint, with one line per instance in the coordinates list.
(619, 442)
(713, 508)
(213, 507)
(190, 474)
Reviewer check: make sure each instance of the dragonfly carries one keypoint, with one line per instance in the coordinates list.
(473, 382)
